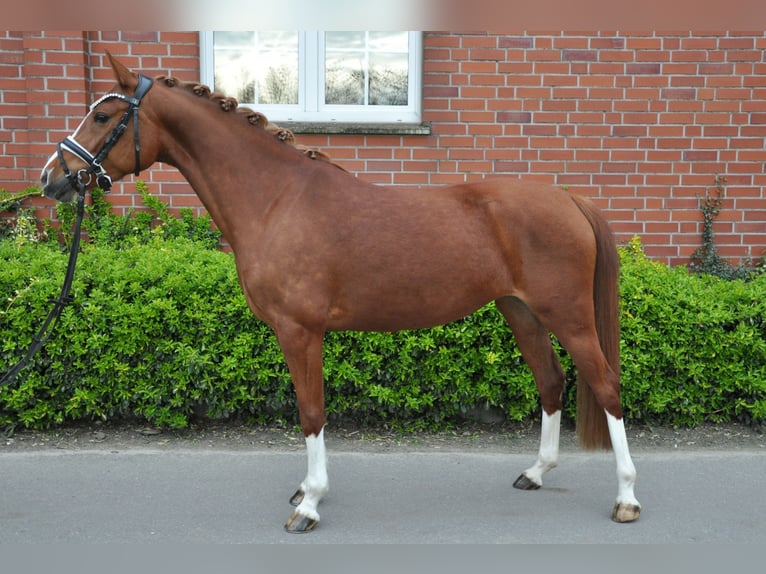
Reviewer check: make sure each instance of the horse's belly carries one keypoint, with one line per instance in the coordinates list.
(381, 309)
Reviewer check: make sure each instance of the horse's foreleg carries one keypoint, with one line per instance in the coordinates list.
(303, 352)
(537, 350)
(312, 489)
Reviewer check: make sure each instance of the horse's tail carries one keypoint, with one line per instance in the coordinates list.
(592, 429)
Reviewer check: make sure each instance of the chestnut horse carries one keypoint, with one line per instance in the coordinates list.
(317, 249)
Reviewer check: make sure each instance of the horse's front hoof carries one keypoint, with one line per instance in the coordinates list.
(299, 524)
(297, 498)
(625, 512)
(523, 483)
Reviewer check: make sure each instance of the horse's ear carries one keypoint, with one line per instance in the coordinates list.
(128, 80)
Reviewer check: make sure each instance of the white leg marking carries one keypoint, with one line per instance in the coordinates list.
(548, 457)
(316, 484)
(626, 471)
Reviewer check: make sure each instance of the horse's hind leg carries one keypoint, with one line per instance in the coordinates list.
(584, 348)
(536, 348)
(303, 353)
(626, 507)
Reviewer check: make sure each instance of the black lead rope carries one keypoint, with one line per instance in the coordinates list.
(58, 304)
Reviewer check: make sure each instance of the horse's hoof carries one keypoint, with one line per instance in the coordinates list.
(523, 483)
(299, 524)
(625, 512)
(297, 498)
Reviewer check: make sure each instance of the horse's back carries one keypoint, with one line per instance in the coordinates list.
(534, 221)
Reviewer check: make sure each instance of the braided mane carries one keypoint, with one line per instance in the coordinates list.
(257, 119)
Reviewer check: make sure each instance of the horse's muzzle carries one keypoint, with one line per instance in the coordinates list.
(60, 190)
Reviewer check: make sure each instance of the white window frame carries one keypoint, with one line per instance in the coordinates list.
(311, 107)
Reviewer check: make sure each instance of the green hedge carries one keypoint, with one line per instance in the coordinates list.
(159, 329)
(693, 345)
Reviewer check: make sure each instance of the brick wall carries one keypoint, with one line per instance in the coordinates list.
(642, 123)
(47, 80)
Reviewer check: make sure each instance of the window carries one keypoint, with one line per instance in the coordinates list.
(345, 77)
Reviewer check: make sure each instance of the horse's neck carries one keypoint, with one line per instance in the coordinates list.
(231, 166)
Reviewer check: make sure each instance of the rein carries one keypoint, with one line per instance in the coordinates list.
(80, 181)
(44, 333)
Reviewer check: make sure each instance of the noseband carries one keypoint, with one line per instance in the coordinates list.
(83, 177)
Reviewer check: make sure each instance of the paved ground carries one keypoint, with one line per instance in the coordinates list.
(231, 485)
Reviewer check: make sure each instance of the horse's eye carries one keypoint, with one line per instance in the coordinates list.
(101, 118)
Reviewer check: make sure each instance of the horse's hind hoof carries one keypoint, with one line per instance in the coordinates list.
(625, 512)
(299, 524)
(297, 498)
(523, 483)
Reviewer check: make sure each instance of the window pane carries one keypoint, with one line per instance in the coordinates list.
(278, 68)
(366, 68)
(388, 79)
(233, 39)
(344, 41)
(345, 79)
(389, 41)
(257, 67)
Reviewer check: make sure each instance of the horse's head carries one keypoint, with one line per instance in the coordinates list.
(110, 142)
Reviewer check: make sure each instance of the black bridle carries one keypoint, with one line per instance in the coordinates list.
(80, 181)
(83, 176)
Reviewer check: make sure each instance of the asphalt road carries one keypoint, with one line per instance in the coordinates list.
(161, 495)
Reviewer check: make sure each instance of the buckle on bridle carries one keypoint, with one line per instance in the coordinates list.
(80, 177)
(102, 178)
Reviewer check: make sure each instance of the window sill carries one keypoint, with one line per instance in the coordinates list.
(421, 129)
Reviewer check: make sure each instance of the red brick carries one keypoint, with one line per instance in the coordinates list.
(678, 93)
(580, 55)
(671, 143)
(642, 94)
(447, 178)
(515, 42)
(478, 41)
(411, 178)
(677, 118)
(437, 39)
(736, 43)
(744, 56)
(533, 93)
(601, 43)
(610, 69)
(755, 81)
(139, 36)
(511, 166)
(544, 55)
(516, 117)
(700, 156)
(487, 54)
(635, 69)
(748, 143)
(618, 167)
